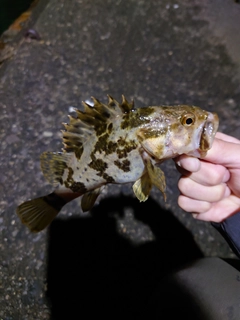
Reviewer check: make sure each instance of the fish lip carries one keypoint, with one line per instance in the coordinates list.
(208, 133)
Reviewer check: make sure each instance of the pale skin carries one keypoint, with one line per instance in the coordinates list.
(210, 187)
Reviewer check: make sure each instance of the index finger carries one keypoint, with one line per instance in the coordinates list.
(226, 137)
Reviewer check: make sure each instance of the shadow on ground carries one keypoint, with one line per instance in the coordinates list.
(93, 271)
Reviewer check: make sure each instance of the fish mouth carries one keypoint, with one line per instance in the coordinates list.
(208, 133)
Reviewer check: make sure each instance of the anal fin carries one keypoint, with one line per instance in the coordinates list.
(89, 198)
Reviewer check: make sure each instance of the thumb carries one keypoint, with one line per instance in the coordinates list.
(225, 151)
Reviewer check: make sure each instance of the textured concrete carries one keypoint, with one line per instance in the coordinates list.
(157, 52)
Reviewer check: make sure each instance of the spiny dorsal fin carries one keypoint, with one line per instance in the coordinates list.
(53, 165)
(73, 143)
(95, 112)
(101, 112)
(92, 120)
(126, 106)
(113, 104)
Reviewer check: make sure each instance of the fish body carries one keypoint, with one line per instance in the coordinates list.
(117, 143)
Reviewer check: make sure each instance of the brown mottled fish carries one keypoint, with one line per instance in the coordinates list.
(117, 143)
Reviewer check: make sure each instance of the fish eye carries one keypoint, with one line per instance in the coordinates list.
(187, 119)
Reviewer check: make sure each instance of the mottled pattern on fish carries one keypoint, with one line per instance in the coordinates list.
(117, 143)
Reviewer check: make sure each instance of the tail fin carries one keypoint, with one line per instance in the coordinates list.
(38, 213)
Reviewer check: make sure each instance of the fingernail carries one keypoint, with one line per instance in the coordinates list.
(178, 163)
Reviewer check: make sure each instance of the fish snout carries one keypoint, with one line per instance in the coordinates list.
(209, 130)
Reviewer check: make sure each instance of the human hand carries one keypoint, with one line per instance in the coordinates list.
(210, 187)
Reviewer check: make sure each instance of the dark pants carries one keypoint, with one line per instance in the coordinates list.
(206, 289)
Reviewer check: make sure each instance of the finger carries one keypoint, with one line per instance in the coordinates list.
(188, 163)
(220, 211)
(224, 153)
(210, 174)
(225, 137)
(194, 190)
(192, 205)
(203, 172)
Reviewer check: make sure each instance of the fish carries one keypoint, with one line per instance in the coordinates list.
(117, 143)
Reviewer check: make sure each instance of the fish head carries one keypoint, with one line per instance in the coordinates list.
(175, 130)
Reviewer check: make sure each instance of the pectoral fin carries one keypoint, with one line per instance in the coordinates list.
(156, 176)
(89, 198)
(142, 187)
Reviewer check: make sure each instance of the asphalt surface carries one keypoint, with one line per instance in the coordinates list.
(157, 52)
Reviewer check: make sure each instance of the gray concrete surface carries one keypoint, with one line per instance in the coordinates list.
(157, 52)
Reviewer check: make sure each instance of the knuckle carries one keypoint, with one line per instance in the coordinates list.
(216, 176)
(183, 203)
(219, 192)
(183, 184)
